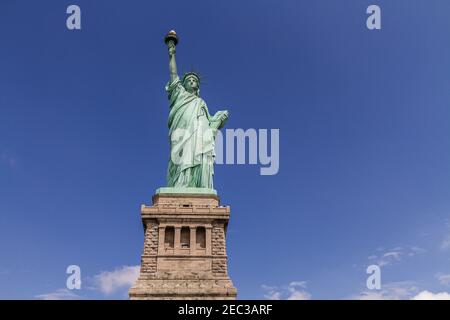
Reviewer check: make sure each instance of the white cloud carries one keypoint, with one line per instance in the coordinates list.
(394, 255)
(301, 284)
(427, 295)
(293, 291)
(391, 256)
(109, 282)
(106, 282)
(299, 295)
(406, 290)
(444, 279)
(417, 250)
(391, 291)
(60, 294)
(445, 244)
(368, 295)
(273, 295)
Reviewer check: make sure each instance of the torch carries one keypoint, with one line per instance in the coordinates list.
(171, 37)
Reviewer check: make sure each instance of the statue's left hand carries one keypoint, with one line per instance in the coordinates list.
(219, 119)
(224, 116)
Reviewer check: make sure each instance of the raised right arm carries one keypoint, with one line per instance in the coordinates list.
(172, 61)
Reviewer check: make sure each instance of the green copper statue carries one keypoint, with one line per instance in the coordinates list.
(192, 129)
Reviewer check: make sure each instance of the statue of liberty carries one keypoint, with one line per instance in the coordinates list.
(192, 129)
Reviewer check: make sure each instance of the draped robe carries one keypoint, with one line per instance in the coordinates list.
(191, 139)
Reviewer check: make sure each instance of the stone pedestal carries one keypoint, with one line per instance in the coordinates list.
(184, 254)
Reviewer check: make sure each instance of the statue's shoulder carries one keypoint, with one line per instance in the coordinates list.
(173, 85)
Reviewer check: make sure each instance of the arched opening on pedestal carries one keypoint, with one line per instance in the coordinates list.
(185, 237)
(201, 237)
(169, 237)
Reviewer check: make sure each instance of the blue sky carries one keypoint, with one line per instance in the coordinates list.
(364, 141)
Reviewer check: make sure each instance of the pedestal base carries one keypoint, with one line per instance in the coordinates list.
(184, 254)
(183, 290)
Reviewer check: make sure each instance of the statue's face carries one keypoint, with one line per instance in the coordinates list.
(191, 84)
